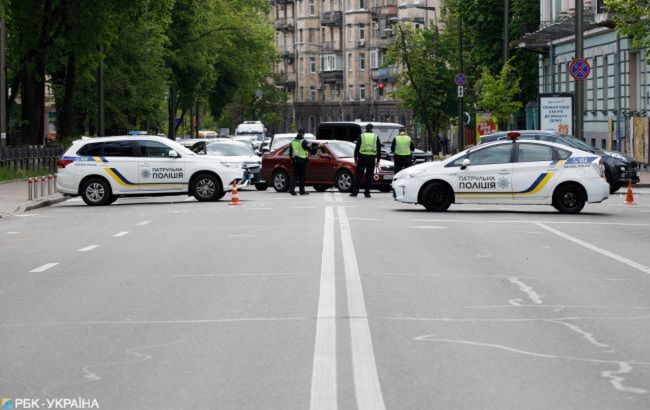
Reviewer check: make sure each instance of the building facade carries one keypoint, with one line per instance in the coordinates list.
(333, 59)
(616, 92)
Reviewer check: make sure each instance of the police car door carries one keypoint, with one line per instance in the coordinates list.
(158, 170)
(488, 177)
(121, 166)
(534, 173)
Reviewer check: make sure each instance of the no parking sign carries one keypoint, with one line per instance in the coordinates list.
(579, 69)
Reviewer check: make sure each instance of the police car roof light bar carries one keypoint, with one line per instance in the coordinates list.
(513, 135)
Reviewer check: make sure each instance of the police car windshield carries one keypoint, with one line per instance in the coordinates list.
(341, 149)
(228, 150)
(578, 142)
(385, 134)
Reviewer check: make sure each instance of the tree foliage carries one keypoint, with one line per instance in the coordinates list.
(499, 94)
(632, 19)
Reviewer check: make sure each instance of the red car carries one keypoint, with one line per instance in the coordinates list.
(332, 166)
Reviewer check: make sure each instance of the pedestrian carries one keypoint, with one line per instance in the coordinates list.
(299, 151)
(402, 147)
(367, 153)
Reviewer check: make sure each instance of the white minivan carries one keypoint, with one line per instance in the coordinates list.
(101, 170)
(253, 130)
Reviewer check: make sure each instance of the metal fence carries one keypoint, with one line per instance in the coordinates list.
(30, 158)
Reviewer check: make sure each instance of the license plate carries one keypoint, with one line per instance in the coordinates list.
(388, 177)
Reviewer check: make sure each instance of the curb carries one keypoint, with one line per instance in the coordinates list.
(40, 204)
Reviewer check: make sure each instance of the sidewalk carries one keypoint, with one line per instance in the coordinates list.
(644, 176)
(13, 198)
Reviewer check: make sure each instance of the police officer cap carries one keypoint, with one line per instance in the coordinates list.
(368, 127)
(301, 131)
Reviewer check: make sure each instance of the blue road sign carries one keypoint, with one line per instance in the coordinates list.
(579, 69)
(460, 79)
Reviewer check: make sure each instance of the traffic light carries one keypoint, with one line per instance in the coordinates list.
(380, 86)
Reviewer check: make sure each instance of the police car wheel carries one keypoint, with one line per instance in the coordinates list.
(206, 187)
(261, 186)
(113, 199)
(343, 181)
(281, 181)
(322, 188)
(613, 187)
(436, 197)
(96, 192)
(569, 199)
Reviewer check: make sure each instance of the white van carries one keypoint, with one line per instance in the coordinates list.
(254, 130)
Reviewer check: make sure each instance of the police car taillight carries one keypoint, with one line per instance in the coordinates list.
(61, 163)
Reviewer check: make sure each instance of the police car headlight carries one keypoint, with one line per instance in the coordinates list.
(233, 164)
(616, 155)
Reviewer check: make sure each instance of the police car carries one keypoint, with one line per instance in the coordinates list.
(103, 169)
(507, 172)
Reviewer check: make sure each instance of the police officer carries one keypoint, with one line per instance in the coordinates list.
(367, 153)
(299, 151)
(402, 147)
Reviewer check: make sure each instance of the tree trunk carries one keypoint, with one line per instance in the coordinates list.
(66, 116)
(171, 129)
(33, 102)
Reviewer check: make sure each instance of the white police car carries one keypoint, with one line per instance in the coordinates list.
(507, 172)
(103, 169)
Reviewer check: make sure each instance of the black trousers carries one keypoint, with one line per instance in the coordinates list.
(365, 165)
(402, 161)
(298, 178)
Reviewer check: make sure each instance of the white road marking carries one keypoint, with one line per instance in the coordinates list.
(323, 379)
(12, 233)
(366, 381)
(44, 267)
(513, 221)
(428, 227)
(121, 234)
(88, 248)
(530, 292)
(364, 219)
(594, 248)
(25, 215)
(143, 223)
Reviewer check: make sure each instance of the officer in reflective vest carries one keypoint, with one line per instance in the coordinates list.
(299, 151)
(402, 147)
(367, 153)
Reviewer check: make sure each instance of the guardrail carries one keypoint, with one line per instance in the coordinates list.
(30, 158)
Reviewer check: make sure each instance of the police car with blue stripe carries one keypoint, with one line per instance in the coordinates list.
(507, 172)
(101, 170)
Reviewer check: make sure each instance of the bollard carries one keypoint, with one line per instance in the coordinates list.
(42, 186)
(35, 188)
(29, 189)
(49, 184)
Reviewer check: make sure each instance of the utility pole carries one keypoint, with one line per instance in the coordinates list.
(460, 69)
(506, 30)
(3, 87)
(100, 93)
(579, 85)
(197, 118)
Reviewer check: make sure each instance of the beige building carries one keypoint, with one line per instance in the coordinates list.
(333, 65)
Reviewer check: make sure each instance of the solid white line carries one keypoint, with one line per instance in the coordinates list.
(12, 233)
(323, 379)
(428, 227)
(594, 248)
(366, 381)
(44, 267)
(88, 248)
(121, 234)
(143, 223)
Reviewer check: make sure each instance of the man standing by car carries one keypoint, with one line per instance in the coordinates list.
(367, 152)
(299, 151)
(402, 147)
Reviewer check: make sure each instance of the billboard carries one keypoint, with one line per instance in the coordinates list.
(486, 124)
(556, 113)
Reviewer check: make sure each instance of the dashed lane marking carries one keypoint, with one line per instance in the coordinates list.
(143, 223)
(44, 267)
(88, 248)
(117, 235)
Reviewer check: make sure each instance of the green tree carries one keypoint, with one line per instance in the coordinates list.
(425, 83)
(499, 94)
(632, 19)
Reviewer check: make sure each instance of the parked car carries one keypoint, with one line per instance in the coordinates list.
(280, 140)
(332, 166)
(235, 154)
(350, 131)
(619, 168)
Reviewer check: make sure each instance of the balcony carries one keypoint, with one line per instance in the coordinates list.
(384, 74)
(386, 11)
(330, 46)
(382, 42)
(331, 18)
(284, 24)
(333, 76)
(288, 56)
(288, 80)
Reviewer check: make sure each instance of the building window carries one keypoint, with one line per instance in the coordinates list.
(362, 61)
(594, 84)
(362, 92)
(374, 58)
(362, 4)
(312, 65)
(313, 38)
(349, 61)
(362, 32)
(328, 62)
(302, 94)
(300, 36)
(312, 7)
(351, 92)
(349, 33)
(605, 83)
(312, 93)
(301, 64)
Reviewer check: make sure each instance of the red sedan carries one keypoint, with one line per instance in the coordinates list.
(332, 166)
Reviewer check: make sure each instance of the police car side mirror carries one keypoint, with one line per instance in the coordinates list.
(172, 154)
(464, 164)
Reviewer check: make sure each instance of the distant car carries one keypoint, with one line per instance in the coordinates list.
(280, 140)
(255, 130)
(236, 154)
(332, 166)
(101, 170)
(619, 168)
(507, 172)
(248, 140)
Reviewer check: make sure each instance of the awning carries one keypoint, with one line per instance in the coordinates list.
(540, 40)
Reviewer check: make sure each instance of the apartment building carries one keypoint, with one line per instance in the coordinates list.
(333, 59)
(616, 93)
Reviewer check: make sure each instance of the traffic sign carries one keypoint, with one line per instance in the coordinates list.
(460, 79)
(579, 69)
(461, 91)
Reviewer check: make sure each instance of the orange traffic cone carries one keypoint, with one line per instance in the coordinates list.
(234, 199)
(629, 198)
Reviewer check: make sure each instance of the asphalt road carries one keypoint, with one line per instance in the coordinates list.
(325, 302)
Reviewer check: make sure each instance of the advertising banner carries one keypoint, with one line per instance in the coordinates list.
(556, 113)
(485, 124)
